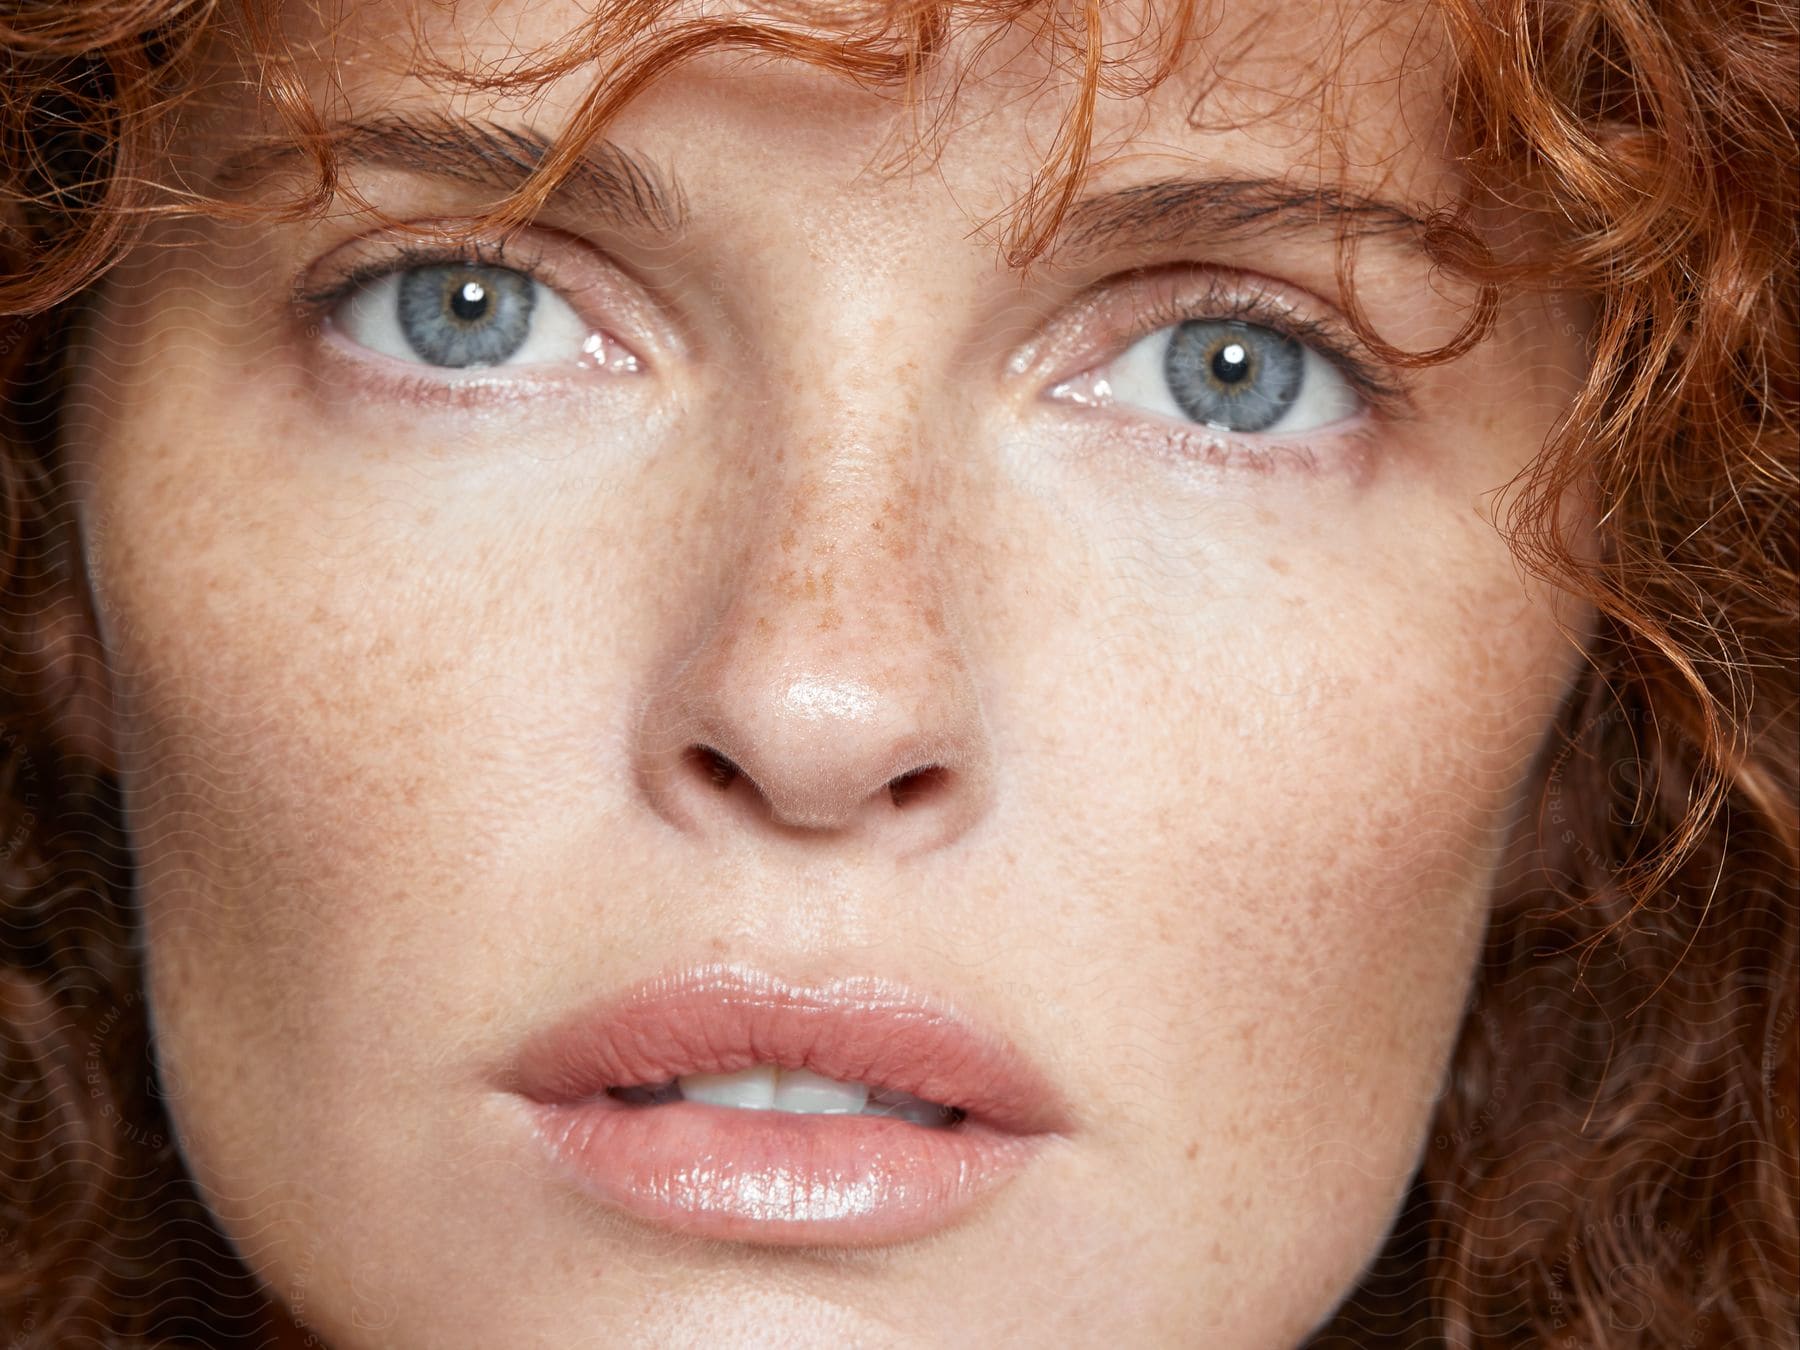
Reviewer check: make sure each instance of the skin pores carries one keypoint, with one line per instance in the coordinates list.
(406, 661)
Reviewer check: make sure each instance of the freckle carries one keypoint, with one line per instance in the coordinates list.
(762, 623)
(829, 620)
(875, 524)
(1278, 565)
(812, 586)
(787, 541)
(1193, 1150)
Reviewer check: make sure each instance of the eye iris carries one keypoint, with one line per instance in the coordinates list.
(1231, 375)
(464, 314)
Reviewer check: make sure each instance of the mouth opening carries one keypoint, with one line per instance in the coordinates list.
(790, 1092)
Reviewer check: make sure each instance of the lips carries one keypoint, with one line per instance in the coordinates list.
(599, 1090)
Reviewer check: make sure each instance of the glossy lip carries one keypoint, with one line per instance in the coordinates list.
(769, 1177)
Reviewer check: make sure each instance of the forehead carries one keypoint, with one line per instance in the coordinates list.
(1349, 93)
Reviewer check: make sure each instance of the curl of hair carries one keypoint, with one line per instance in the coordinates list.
(1615, 1158)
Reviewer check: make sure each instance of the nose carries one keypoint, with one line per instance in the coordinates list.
(829, 696)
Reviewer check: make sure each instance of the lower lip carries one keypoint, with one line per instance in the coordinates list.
(779, 1178)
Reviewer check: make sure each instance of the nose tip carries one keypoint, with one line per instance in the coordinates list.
(880, 737)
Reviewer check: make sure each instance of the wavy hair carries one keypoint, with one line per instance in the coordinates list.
(1615, 1156)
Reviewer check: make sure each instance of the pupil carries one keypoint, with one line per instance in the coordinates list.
(469, 301)
(1231, 363)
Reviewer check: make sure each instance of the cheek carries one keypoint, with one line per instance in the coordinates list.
(1294, 805)
(327, 729)
(350, 750)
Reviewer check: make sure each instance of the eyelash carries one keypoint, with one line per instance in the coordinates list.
(1166, 297)
(314, 304)
(1160, 303)
(1253, 305)
(312, 308)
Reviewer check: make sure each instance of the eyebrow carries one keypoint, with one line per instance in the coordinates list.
(628, 192)
(606, 180)
(1179, 210)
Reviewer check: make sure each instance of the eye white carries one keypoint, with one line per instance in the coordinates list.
(1137, 379)
(370, 317)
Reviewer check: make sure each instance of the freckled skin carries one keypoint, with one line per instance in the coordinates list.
(405, 695)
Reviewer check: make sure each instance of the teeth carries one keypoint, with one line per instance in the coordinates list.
(813, 1094)
(765, 1087)
(751, 1089)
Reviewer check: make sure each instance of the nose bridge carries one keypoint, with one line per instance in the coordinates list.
(830, 693)
(850, 555)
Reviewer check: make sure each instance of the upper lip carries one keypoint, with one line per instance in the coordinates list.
(721, 1018)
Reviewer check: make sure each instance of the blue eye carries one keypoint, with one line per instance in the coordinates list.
(458, 315)
(465, 316)
(1232, 376)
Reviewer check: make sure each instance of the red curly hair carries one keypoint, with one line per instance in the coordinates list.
(1615, 1158)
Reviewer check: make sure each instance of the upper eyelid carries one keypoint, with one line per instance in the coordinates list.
(1129, 307)
(406, 256)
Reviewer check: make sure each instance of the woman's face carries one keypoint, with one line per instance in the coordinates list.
(496, 632)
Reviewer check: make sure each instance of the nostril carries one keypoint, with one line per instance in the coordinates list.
(719, 769)
(914, 784)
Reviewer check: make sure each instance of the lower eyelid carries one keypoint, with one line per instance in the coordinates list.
(473, 388)
(1348, 453)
